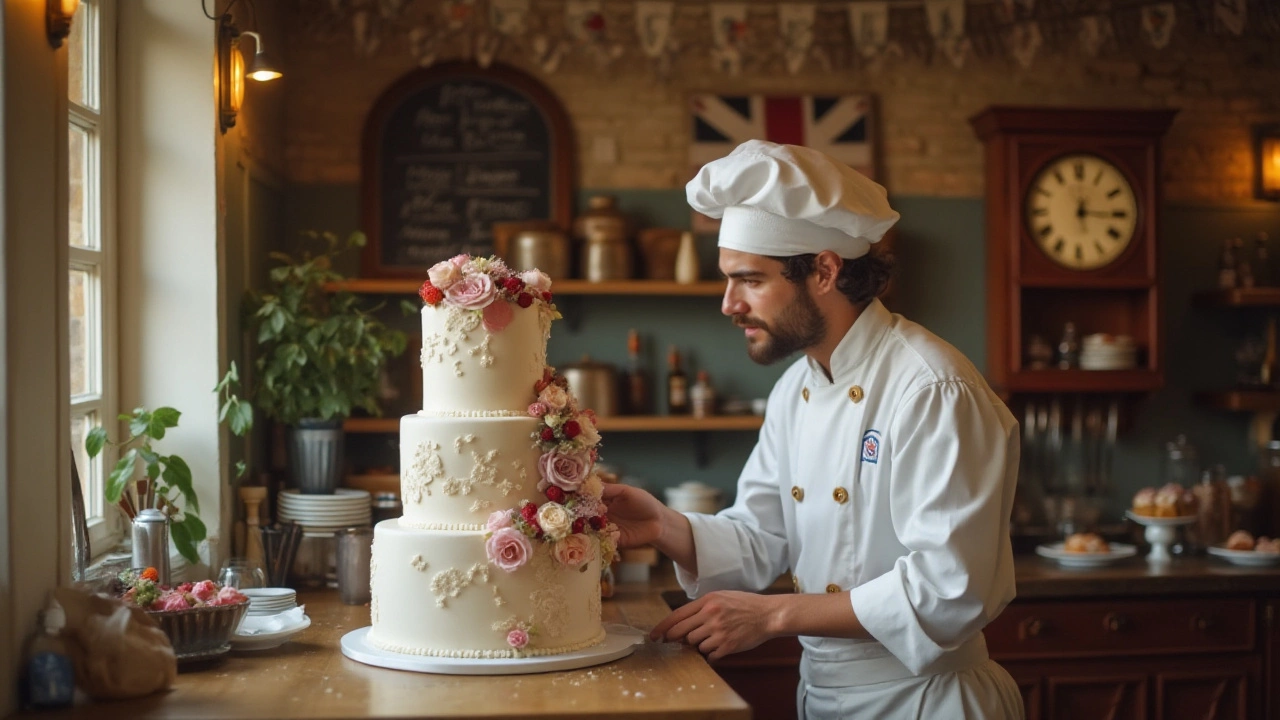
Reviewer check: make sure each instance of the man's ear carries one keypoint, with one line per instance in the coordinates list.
(826, 267)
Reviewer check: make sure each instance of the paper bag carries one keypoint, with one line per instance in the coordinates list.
(117, 649)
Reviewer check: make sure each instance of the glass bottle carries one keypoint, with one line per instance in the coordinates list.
(1068, 348)
(1262, 262)
(677, 385)
(48, 675)
(703, 396)
(1227, 278)
(636, 393)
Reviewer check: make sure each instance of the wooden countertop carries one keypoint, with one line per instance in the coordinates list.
(309, 677)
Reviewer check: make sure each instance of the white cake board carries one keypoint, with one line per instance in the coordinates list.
(620, 641)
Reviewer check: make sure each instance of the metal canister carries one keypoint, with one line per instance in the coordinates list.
(151, 542)
(386, 506)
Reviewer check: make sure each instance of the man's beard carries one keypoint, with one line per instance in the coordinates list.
(799, 326)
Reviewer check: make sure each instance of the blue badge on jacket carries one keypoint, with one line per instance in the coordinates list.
(871, 446)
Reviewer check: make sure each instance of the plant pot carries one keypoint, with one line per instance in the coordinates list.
(316, 455)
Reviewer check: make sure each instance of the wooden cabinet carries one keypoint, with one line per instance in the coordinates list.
(1158, 657)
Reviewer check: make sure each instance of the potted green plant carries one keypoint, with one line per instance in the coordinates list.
(319, 354)
(164, 479)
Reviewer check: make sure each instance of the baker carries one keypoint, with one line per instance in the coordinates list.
(883, 477)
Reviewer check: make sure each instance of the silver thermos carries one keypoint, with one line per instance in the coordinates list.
(151, 542)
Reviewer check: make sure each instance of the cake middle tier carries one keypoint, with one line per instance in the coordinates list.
(455, 472)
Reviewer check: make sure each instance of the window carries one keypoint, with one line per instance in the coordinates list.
(91, 224)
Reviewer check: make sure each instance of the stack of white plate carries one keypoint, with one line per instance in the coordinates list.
(326, 513)
(1108, 352)
(270, 601)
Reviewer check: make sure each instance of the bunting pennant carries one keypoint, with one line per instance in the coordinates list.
(869, 27)
(1157, 23)
(795, 22)
(653, 25)
(1025, 39)
(946, 25)
(508, 17)
(1231, 14)
(728, 36)
(1095, 30)
(584, 19)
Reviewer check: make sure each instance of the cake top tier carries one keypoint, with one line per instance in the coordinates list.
(477, 283)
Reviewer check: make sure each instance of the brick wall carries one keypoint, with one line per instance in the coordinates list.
(1221, 83)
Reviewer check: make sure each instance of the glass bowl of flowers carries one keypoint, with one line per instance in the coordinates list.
(199, 618)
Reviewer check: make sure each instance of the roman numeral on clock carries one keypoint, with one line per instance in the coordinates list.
(1114, 233)
(1113, 193)
(1078, 167)
(1046, 231)
(1058, 246)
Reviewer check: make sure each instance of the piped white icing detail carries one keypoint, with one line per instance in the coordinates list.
(461, 440)
(457, 368)
(498, 600)
(418, 563)
(480, 506)
(426, 468)
(417, 525)
(550, 609)
(450, 583)
(485, 654)
(483, 472)
(473, 413)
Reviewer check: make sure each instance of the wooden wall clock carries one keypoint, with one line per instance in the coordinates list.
(1073, 227)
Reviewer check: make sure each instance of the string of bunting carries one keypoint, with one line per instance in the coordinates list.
(755, 36)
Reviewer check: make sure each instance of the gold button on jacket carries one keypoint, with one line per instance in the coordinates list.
(841, 495)
(855, 393)
(833, 588)
(805, 394)
(797, 493)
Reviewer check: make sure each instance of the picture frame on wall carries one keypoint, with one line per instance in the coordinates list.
(842, 126)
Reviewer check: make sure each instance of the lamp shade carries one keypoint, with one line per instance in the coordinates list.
(1266, 151)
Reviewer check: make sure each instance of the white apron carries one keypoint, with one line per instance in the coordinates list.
(892, 483)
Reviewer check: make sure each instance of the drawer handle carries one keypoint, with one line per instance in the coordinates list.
(1116, 622)
(1033, 628)
(1204, 622)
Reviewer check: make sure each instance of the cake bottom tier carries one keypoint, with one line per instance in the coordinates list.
(435, 593)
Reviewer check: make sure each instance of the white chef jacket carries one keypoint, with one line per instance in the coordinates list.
(893, 483)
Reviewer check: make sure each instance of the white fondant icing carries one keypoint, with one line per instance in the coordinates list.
(465, 367)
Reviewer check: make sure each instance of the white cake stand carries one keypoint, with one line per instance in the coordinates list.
(1160, 532)
(620, 641)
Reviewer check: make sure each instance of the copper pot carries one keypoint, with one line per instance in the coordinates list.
(595, 384)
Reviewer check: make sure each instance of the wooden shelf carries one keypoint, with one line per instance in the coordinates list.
(1240, 297)
(1241, 400)
(704, 288)
(1097, 283)
(623, 423)
(1068, 381)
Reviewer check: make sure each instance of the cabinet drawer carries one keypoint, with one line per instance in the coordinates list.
(1121, 627)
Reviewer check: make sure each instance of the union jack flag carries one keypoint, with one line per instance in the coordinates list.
(838, 125)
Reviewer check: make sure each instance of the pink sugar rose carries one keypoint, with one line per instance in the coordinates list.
(565, 470)
(517, 638)
(171, 602)
(444, 274)
(472, 292)
(460, 260)
(508, 548)
(536, 279)
(587, 433)
(538, 409)
(204, 591)
(498, 520)
(554, 396)
(497, 316)
(573, 550)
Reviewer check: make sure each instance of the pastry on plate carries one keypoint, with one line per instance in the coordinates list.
(1144, 502)
(1267, 545)
(1240, 540)
(1086, 543)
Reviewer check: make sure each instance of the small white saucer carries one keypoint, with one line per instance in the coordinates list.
(1159, 521)
(620, 641)
(266, 641)
(1245, 558)
(1055, 551)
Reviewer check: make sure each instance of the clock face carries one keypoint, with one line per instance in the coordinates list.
(1081, 211)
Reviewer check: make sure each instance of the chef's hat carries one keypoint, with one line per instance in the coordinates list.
(783, 200)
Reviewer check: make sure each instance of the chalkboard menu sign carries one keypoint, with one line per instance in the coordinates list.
(453, 149)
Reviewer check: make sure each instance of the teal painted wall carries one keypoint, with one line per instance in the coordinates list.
(941, 284)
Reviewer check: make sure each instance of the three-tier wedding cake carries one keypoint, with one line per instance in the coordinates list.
(500, 548)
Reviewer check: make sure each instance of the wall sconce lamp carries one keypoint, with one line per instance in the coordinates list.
(1266, 160)
(260, 69)
(57, 19)
(230, 74)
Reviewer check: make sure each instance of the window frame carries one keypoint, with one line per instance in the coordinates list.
(106, 527)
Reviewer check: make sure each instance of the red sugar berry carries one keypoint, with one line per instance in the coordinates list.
(524, 299)
(555, 494)
(530, 512)
(548, 434)
(572, 429)
(430, 294)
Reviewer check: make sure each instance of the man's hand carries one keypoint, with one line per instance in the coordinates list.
(637, 514)
(721, 623)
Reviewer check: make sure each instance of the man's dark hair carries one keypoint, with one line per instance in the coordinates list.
(859, 280)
